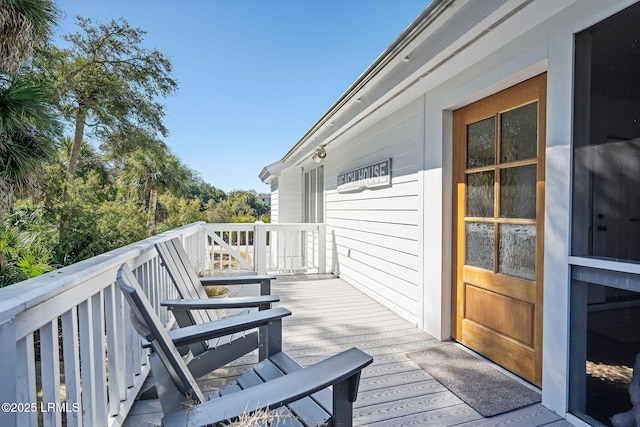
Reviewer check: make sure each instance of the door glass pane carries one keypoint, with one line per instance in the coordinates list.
(517, 250)
(480, 194)
(481, 143)
(479, 245)
(519, 133)
(518, 192)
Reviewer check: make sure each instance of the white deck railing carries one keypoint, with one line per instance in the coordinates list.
(266, 248)
(76, 355)
(71, 328)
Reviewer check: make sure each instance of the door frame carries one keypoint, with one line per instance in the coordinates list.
(519, 94)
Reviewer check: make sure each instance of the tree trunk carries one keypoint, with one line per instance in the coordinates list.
(153, 202)
(71, 170)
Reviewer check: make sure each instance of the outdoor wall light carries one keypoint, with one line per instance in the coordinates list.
(319, 155)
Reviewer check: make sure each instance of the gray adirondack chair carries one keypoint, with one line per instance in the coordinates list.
(297, 396)
(195, 307)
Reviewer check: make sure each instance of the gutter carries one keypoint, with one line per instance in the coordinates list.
(426, 17)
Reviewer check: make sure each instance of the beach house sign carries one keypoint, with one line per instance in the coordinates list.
(371, 176)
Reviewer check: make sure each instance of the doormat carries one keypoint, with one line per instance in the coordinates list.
(475, 381)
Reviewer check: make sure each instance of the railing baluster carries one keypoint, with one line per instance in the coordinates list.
(290, 246)
(26, 379)
(97, 305)
(113, 355)
(161, 281)
(138, 359)
(322, 248)
(8, 368)
(130, 339)
(72, 367)
(87, 362)
(50, 374)
(120, 342)
(133, 341)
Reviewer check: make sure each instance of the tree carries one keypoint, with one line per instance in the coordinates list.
(247, 203)
(27, 125)
(150, 171)
(106, 80)
(28, 131)
(205, 191)
(23, 23)
(175, 212)
(25, 249)
(238, 206)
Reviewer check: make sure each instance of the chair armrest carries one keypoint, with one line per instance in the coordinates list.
(226, 326)
(344, 367)
(235, 302)
(263, 280)
(235, 280)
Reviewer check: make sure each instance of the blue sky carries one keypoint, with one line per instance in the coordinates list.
(253, 75)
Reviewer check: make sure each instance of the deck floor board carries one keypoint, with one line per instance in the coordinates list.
(330, 316)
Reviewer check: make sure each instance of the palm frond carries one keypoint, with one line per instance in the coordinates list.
(21, 23)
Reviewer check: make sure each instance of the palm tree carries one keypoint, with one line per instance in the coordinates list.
(23, 22)
(27, 126)
(28, 131)
(152, 171)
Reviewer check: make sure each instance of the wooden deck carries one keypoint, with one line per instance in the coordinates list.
(330, 316)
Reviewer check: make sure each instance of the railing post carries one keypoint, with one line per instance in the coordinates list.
(203, 250)
(322, 248)
(260, 247)
(8, 369)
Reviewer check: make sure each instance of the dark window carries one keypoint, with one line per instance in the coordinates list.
(606, 148)
(605, 303)
(605, 321)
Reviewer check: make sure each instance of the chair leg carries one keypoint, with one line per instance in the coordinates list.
(342, 406)
(270, 339)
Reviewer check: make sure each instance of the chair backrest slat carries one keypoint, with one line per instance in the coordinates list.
(148, 324)
(184, 277)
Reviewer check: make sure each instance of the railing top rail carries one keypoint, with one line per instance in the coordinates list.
(24, 295)
(226, 226)
(295, 225)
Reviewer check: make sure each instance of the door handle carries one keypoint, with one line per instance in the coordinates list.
(602, 228)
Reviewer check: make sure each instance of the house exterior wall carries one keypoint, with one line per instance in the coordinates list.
(274, 201)
(377, 231)
(395, 243)
(288, 200)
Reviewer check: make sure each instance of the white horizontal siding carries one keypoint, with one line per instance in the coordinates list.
(377, 231)
(290, 196)
(275, 204)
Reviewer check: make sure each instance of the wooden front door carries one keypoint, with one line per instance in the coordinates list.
(498, 213)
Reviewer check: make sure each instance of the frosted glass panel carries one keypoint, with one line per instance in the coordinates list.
(519, 133)
(517, 250)
(481, 143)
(479, 245)
(480, 194)
(518, 192)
